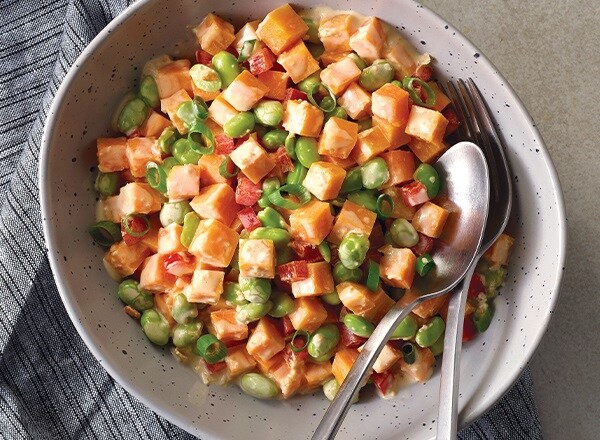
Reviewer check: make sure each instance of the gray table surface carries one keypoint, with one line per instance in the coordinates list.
(548, 51)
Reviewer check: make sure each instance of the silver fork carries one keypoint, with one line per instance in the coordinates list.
(476, 125)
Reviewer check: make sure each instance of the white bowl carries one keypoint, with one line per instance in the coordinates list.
(81, 112)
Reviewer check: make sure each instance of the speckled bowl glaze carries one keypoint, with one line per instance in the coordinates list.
(81, 112)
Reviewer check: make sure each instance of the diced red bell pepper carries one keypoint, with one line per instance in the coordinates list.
(249, 219)
(293, 271)
(203, 57)
(247, 193)
(240, 141)
(383, 381)
(424, 245)
(453, 121)
(215, 368)
(306, 251)
(261, 61)
(469, 329)
(475, 286)
(233, 51)
(283, 163)
(292, 357)
(180, 263)
(292, 93)
(288, 327)
(349, 339)
(414, 193)
(423, 72)
(224, 144)
(136, 225)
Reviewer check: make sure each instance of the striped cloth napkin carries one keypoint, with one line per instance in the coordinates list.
(51, 387)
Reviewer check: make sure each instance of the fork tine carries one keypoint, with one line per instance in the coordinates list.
(464, 127)
(471, 113)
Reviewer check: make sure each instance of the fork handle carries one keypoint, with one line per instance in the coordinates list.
(448, 404)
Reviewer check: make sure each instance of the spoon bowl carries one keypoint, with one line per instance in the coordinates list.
(465, 194)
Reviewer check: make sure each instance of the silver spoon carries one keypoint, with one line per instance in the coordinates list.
(465, 194)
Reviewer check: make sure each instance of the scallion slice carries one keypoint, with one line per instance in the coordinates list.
(105, 233)
(408, 84)
(136, 225)
(201, 139)
(299, 334)
(211, 349)
(325, 251)
(408, 353)
(373, 276)
(246, 50)
(424, 264)
(223, 169)
(385, 206)
(156, 177)
(297, 190)
(332, 102)
(205, 78)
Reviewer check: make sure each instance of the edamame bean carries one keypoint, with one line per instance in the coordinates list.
(429, 177)
(316, 50)
(183, 152)
(258, 386)
(260, 130)
(376, 75)
(365, 198)
(183, 311)
(337, 112)
(239, 125)
(232, 293)
(323, 341)
(268, 112)
(280, 237)
(190, 223)
(353, 250)
(374, 173)
(264, 201)
(406, 329)
(430, 332)
(331, 298)
(482, 317)
(274, 139)
(226, 66)
(166, 139)
(358, 325)
(255, 290)
(185, 335)
(130, 293)
(270, 218)
(313, 30)
(132, 115)
(437, 347)
(331, 388)
(360, 63)
(283, 305)
(364, 124)
(353, 181)
(149, 91)
(270, 185)
(327, 103)
(309, 83)
(342, 274)
(174, 212)
(107, 184)
(251, 312)
(307, 151)
(155, 326)
(403, 233)
(297, 175)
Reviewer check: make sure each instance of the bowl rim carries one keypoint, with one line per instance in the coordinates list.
(486, 402)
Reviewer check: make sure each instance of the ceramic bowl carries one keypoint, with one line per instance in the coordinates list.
(81, 112)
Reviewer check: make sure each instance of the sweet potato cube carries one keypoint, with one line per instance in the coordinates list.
(441, 100)
(401, 210)
(206, 96)
(172, 77)
(356, 101)
(368, 40)
(499, 252)
(425, 309)
(370, 143)
(319, 281)
(422, 368)
(338, 138)
(343, 163)
(426, 151)
(245, 91)
(265, 341)
(124, 260)
(214, 34)
(403, 56)
(287, 378)
(335, 33)
(221, 111)
(352, 218)
(328, 58)
(252, 160)
(216, 201)
(324, 180)
(309, 314)
(276, 83)
(154, 125)
(301, 117)
(266, 366)
(397, 266)
(401, 165)
(183, 182)
(360, 300)
(317, 374)
(209, 169)
(154, 276)
(390, 103)
(226, 327)
(169, 239)
(136, 197)
(388, 357)
(281, 28)
(214, 243)
(312, 222)
(239, 361)
(395, 135)
(140, 151)
(169, 106)
(206, 286)
(257, 258)
(112, 154)
(151, 237)
(342, 363)
(298, 62)
(430, 219)
(247, 33)
(337, 76)
(426, 124)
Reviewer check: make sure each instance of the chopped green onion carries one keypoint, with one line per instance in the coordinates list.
(190, 112)
(166, 139)
(201, 139)
(299, 334)
(385, 206)
(408, 85)
(224, 171)
(246, 50)
(107, 184)
(408, 353)
(105, 233)
(424, 264)
(205, 78)
(156, 177)
(211, 349)
(149, 91)
(373, 276)
(126, 223)
(325, 251)
(296, 190)
(331, 103)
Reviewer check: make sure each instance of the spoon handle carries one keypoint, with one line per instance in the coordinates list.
(448, 405)
(334, 416)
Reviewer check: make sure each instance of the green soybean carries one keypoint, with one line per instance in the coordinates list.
(482, 317)
(274, 139)
(430, 332)
(331, 388)
(308, 84)
(406, 329)
(376, 75)
(130, 293)
(307, 151)
(185, 335)
(374, 173)
(240, 125)
(365, 198)
(284, 255)
(166, 139)
(251, 312)
(174, 212)
(364, 124)
(337, 112)
(353, 181)
(149, 91)
(358, 325)
(232, 293)
(255, 290)
(360, 63)
(429, 177)
(268, 112)
(283, 305)
(258, 386)
(353, 250)
(424, 264)
(403, 233)
(190, 224)
(280, 237)
(437, 347)
(183, 152)
(331, 298)
(297, 175)
(264, 201)
(132, 115)
(313, 30)
(155, 326)
(270, 218)
(270, 185)
(226, 66)
(341, 274)
(183, 311)
(323, 341)
(107, 184)
(316, 50)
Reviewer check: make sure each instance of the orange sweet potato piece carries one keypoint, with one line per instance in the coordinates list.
(154, 276)
(154, 125)
(318, 282)
(298, 62)
(401, 165)
(324, 180)
(397, 266)
(245, 91)
(124, 260)
(265, 341)
(209, 169)
(342, 363)
(390, 103)
(214, 34)
(370, 143)
(281, 28)
(352, 218)
(430, 219)
(338, 138)
(339, 75)
(169, 106)
(312, 222)
(426, 151)
(112, 154)
(368, 40)
(426, 124)
(395, 135)
(335, 33)
(309, 314)
(216, 201)
(276, 82)
(301, 117)
(226, 327)
(172, 77)
(356, 101)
